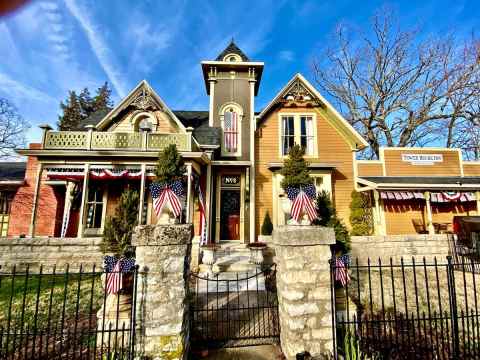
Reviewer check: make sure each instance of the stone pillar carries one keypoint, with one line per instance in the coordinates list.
(303, 285)
(162, 252)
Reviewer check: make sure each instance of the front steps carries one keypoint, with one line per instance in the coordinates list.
(232, 257)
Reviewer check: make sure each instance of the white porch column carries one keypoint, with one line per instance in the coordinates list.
(253, 126)
(142, 194)
(33, 219)
(430, 228)
(189, 194)
(208, 203)
(81, 221)
(211, 80)
(379, 216)
(477, 197)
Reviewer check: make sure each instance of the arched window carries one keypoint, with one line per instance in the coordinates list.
(232, 58)
(231, 119)
(143, 119)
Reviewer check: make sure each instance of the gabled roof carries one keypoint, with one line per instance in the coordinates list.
(144, 96)
(232, 48)
(339, 122)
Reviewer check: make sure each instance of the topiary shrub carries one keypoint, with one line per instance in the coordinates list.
(327, 216)
(267, 226)
(361, 219)
(295, 169)
(170, 165)
(118, 229)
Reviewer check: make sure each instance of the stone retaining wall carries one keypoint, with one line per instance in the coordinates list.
(398, 246)
(50, 251)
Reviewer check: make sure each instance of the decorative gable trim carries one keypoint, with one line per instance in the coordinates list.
(301, 90)
(143, 98)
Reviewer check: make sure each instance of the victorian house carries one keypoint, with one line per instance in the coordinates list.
(72, 180)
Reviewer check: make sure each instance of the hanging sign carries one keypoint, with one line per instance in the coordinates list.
(422, 159)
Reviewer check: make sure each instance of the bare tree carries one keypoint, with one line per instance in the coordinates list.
(12, 129)
(398, 91)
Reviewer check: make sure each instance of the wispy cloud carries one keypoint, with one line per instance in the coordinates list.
(104, 55)
(19, 91)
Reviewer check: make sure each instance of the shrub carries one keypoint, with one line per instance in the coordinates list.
(360, 215)
(170, 165)
(267, 226)
(295, 169)
(118, 230)
(327, 216)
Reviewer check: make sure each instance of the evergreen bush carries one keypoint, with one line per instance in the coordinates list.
(295, 169)
(170, 165)
(118, 230)
(267, 226)
(360, 215)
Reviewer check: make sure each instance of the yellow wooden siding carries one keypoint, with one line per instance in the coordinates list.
(332, 149)
(396, 167)
(399, 216)
(369, 169)
(471, 169)
(164, 123)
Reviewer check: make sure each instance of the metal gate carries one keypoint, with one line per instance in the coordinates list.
(234, 309)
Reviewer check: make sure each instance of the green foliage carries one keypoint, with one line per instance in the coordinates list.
(327, 216)
(78, 107)
(360, 215)
(295, 169)
(117, 234)
(351, 348)
(170, 165)
(267, 226)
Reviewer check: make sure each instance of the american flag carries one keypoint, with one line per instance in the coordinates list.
(303, 203)
(230, 126)
(203, 223)
(163, 195)
(114, 279)
(341, 272)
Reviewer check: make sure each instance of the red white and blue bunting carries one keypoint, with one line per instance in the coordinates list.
(77, 174)
(435, 197)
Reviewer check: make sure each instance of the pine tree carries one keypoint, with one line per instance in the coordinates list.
(267, 226)
(118, 230)
(360, 215)
(78, 107)
(170, 165)
(295, 169)
(325, 208)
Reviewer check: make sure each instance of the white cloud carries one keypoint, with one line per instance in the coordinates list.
(101, 50)
(19, 91)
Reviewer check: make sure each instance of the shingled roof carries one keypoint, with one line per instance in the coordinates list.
(232, 48)
(12, 171)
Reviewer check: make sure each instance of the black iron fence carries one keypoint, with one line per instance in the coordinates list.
(67, 314)
(234, 309)
(407, 310)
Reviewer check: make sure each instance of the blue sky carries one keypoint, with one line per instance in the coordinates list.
(49, 47)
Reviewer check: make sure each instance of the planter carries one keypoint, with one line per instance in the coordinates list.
(208, 255)
(115, 315)
(266, 239)
(257, 253)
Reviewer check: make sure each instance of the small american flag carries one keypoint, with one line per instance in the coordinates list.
(114, 279)
(203, 228)
(341, 272)
(230, 128)
(303, 203)
(163, 195)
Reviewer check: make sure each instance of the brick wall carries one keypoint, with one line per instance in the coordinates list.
(49, 252)
(398, 246)
(50, 204)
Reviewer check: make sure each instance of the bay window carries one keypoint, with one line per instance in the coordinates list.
(298, 129)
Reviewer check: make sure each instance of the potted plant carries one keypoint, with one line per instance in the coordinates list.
(257, 252)
(169, 178)
(266, 229)
(119, 260)
(296, 179)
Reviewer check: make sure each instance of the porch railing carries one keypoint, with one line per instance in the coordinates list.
(125, 141)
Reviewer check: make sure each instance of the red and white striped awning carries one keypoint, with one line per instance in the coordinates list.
(435, 197)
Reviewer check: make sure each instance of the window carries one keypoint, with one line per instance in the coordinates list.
(298, 129)
(5, 203)
(231, 119)
(95, 208)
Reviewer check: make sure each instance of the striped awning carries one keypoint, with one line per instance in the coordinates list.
(435, 197)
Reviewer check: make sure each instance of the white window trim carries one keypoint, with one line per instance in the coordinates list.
(296, 117)
(239, 111)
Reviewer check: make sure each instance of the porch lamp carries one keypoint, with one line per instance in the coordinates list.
(45, 128)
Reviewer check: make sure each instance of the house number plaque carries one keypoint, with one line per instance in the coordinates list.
(231, 180)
